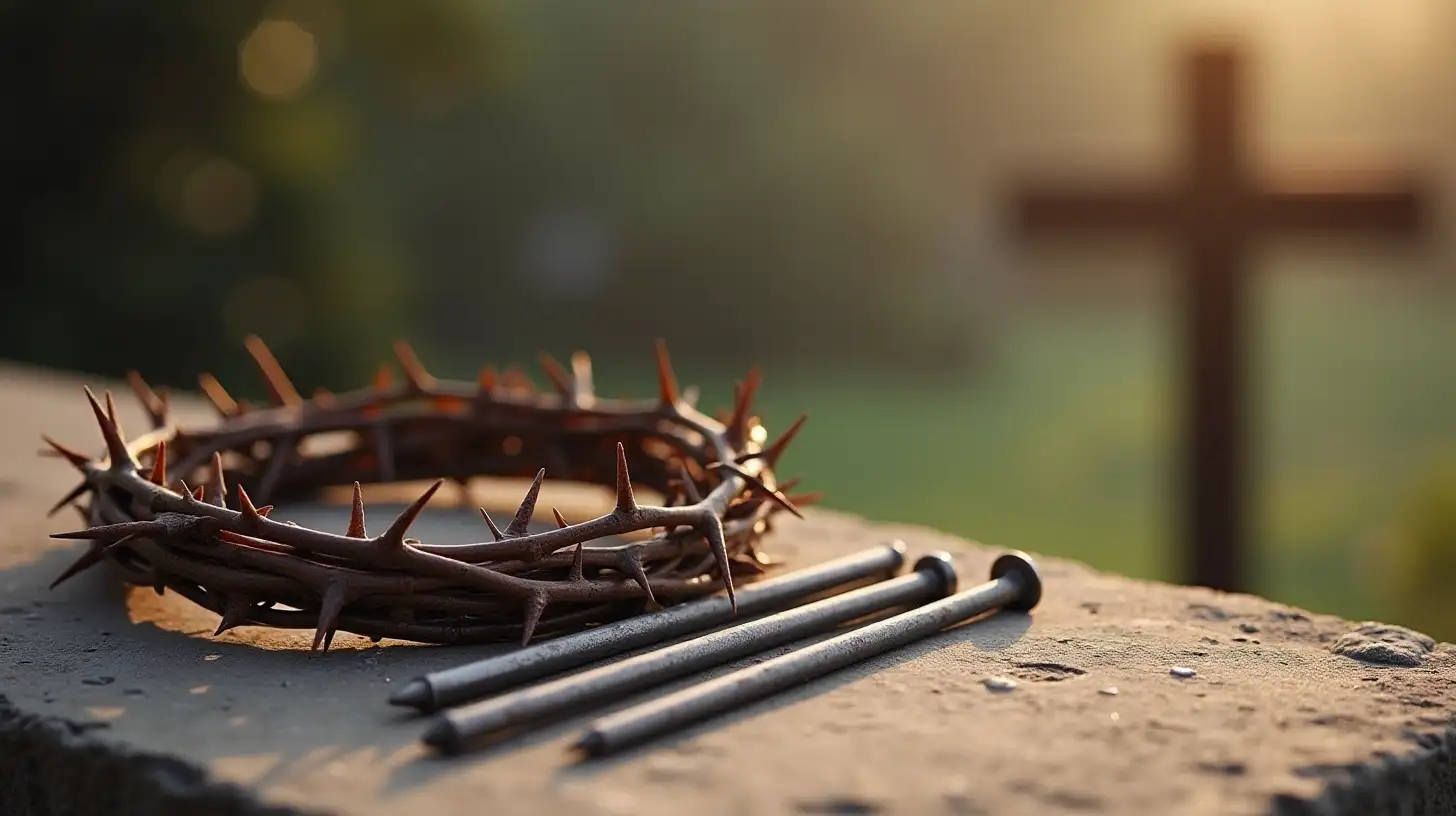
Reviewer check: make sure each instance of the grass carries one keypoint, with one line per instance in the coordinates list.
(1065, 443)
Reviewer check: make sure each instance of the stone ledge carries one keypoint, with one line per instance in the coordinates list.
(1272, 719)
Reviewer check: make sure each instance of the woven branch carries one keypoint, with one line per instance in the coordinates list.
(145, 519)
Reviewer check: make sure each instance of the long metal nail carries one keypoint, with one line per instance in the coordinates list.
(1014, 584)
(934, 577)
(474, 680)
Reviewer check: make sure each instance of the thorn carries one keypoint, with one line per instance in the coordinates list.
(560, 380)
(690, 396)
(93, 555)
(265, 510)
(667, 390)
(626, 502)
(806, 499)
(576, 565)
(184, 490)
(383, 378)
(111, 532)
(356, 515)
(79, 460)
(535, 607)
(251, 514)
(757, 484)
(775, 450)
(234, 613)
(514, 379)
(414, 370)
(111, 414)
(216, 491)
(712, 529)
(629, 562)
(328, 619)
(154, 405)
(115, 445)
(159, 465)
(743, 407)
(75, 493)
(487, 381)
(394, 536)
(489, 522)
(221, 401)
(583, 386)
(198, 493)
(279, 386)
(519, 525)
(690, 486)
(560, 522)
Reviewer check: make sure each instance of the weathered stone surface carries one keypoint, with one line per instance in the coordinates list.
(1382, 643)
(118, 696)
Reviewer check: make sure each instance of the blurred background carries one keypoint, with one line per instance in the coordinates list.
(818, 188)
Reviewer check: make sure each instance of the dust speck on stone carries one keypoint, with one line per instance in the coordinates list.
(999, 684)
(1182, 672)
(1383, 643)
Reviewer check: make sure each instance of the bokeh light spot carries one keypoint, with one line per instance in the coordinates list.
(278, 59)
(218, 197)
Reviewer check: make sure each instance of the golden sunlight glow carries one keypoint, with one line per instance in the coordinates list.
(278, 59)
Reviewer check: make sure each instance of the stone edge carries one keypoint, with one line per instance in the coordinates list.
(1421, 782)
(50, 766)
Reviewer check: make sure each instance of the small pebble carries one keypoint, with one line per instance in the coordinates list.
(999, 683)
(1110, 691)
(211, 657)
(1181, 671)
(99, 681)
(1248, 628)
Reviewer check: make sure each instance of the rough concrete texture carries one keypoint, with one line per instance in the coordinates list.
(120, 701)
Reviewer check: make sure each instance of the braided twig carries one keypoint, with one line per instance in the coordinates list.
(251, 569)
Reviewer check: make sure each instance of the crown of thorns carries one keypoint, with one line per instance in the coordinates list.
(715, 472)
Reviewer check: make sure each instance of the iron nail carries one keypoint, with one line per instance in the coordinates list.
(934, 577)
(1015, 584)
(474, 680)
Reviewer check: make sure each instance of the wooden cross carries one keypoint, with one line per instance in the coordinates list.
(1214, 212)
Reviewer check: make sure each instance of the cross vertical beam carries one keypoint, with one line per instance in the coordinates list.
(1214, 211)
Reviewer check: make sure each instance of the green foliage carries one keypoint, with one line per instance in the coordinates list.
(1423, 556)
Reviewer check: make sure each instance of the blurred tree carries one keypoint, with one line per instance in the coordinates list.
(749, 181)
